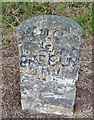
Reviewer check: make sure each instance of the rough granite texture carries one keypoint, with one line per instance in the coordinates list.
(49, 51)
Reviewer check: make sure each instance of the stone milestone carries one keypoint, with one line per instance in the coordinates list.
(49, 51)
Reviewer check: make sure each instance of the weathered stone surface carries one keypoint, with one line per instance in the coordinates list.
(49, 50)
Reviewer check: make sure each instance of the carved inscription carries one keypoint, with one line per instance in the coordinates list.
(49, 57)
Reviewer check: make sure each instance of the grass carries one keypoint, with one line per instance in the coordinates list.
(6, 41)
(13, 13)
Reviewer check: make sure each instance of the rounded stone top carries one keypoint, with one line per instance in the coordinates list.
(50, 25)
(51, 35)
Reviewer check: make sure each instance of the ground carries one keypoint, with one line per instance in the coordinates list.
(12, 15)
